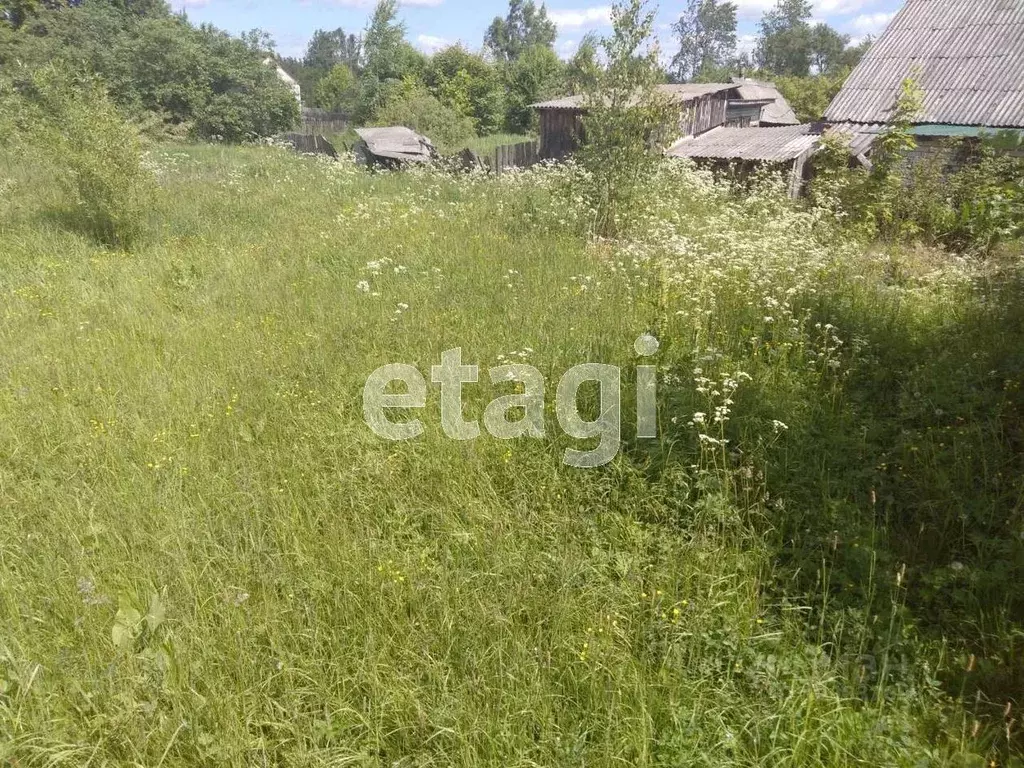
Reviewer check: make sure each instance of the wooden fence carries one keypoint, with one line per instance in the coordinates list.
(521, 155)
(323, 122)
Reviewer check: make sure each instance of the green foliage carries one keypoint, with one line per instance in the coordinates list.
(583, 70)
(326, 50)
(625, 125)
(524, 27)
(963, 197)
(810, 96)
(414, 107)
(157, 64)
(536, 74)
(784, 44)
(338, 91)
(468, 85)
(828, 49)
(388, 59)
(70, 124)
(985, 200)
(707, 39)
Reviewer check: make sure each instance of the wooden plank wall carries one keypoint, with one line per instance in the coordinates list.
(324, 122)
(521, 155)
(560, 132)
(703, 114)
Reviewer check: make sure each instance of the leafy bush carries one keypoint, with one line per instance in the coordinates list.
(70, 123)
(414, 108)
(625, 119)
(468, 84)
(963, 196)
(153, 63)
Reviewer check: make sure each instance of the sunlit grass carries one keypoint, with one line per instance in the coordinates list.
(207, 558)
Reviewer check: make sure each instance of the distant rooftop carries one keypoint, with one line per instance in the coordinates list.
(681, 93)
(776, 145)
(778, 112)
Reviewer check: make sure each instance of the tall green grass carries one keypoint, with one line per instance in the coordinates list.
(208, 559)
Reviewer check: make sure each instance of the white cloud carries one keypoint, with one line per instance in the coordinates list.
(754, 9)
(746, 43)
(369, 3)
(872, 23)
(839, 7)
(431, 43)
(597, 16)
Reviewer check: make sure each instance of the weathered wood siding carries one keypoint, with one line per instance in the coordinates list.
(324, 122)
(740, 115)
(560, 132)
(702, 114)
(521, 155)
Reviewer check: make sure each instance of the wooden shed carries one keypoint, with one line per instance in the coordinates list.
(702, 106)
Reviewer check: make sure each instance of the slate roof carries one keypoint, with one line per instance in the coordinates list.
(773, 145)
(397, 143)
(778, 112)
(681, 93)
(970, 55)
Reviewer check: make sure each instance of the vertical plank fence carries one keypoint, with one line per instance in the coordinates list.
(323, 122)
(521, 155)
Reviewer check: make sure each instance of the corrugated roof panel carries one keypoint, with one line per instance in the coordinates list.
(971, 59)
(762, 144)
(681, 93)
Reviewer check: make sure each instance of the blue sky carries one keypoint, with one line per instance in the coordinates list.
(434, 23)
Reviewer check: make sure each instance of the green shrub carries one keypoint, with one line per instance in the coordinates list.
(924, 198)
(414, 108)
(626, 120)
(70, 122)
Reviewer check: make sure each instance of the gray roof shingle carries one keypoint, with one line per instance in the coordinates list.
(968, 56)
(778, 112)
(773, 145)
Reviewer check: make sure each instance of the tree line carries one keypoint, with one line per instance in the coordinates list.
(201, 81)
(808, 62)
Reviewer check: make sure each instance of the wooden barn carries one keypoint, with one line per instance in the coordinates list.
(702, 106)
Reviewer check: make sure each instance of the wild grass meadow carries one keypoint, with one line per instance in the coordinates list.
(207, 558)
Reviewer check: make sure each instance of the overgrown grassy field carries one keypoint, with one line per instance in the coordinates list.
(207, 557)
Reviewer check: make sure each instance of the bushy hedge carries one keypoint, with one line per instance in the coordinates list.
(68, 124)
(196, 80)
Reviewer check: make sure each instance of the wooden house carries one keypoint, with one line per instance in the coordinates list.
(701, 107)
(967, 58)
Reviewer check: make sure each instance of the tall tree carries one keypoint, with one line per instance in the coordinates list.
(328, 49)
(582, 70)
(534, 75)
(707, 38)
(784, 45)
(626, 119)
(387, 58)
(523, 27)
(468, 84)
(827, 49)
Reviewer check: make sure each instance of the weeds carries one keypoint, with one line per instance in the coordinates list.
(207, 558)
(70, 125)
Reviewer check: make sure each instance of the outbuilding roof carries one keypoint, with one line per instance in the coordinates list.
(396, 143)
(681, 93)
(778, 112)
(778, 145)
(967, 56)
